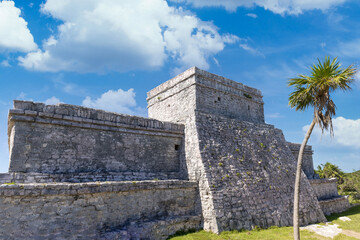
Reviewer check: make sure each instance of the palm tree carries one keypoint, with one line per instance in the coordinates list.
(314, 91)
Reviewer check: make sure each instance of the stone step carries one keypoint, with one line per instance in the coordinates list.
(334, 205)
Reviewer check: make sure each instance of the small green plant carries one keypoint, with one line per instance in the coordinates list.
(237, 150)
(262, 145)
(220, 164)
(238, 174)
(248, 173)
(227, 175)
(156, 179)
(247, 95)
(158, 97)
(133, 182)
(10, 183)
(256, 228)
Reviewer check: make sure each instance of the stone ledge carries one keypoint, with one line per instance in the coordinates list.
(41, 189)
(333, 200)
(334, 205)
(296, 147)
(233, 92)
(217, 80)
(221, 118)
(34, 177)
(322, 181)
(135, 124)
(28, 110)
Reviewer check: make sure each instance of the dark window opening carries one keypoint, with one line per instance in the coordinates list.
(219, 99)
(177, 147)
(249, 107)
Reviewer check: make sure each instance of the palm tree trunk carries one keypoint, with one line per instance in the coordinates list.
(297, 182)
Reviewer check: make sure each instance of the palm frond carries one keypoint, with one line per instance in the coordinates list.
(314, 90)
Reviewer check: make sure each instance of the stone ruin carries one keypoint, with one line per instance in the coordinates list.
(205, 159)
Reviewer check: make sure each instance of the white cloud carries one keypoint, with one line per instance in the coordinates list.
(251, 50)
(115, 101)
(274, 115)
(5, 63)
(346, 133)
(15, 35)
(276, 6)
(252, 15)
(349, 49)
(52, 101)
(357, 78)
(98, 36)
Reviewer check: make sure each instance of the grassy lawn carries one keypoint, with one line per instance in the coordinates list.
(353, 213)
(283, 233)
(274, 233)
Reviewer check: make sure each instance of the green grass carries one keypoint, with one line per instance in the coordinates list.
(281, 233)
(353, 213)
(273, 233)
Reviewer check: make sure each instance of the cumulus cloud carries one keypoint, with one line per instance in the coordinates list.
(115, 101)
(252, 15)
(98, 36)
(346, 133)
(15, 35)
(277, 6)
(52, 101)
(5, 63)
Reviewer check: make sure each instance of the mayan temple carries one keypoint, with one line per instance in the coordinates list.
(204, 159)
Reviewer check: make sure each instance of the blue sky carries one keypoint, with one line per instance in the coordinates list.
(108, 54)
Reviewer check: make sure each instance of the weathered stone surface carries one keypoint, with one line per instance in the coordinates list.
(45, 145)
(206, 92)
(307, 163)
(88, 210)
(325, 189)
(251, 174)
(334, 205)
(70, 167)
(244, 167)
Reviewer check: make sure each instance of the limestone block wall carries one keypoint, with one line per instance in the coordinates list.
(325, 188)
(335, 205)
(251, 173)
(66, 139)
(244, 167)
(101, 210)
(307, 164)
(206, 92)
